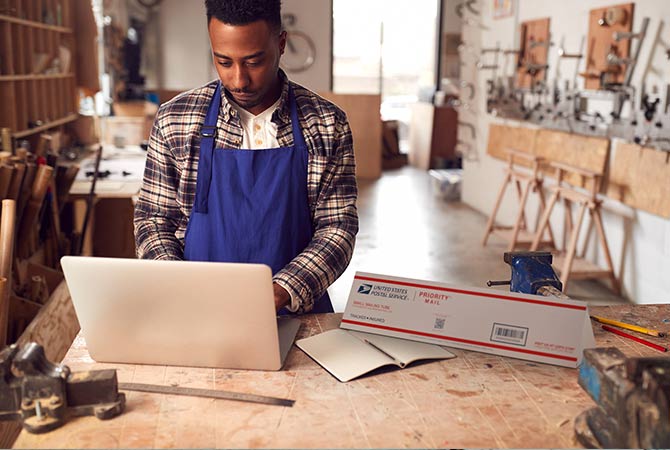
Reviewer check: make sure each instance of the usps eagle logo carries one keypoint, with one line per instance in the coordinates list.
(365, 289)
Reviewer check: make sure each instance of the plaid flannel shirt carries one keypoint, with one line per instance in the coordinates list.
(168, 189)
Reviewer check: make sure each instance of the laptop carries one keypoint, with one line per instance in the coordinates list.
(179, 313)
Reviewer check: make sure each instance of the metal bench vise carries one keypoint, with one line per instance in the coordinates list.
(42, 395)
(632, 395)
(531, 274)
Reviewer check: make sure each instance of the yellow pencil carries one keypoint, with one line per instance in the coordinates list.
(628, 326)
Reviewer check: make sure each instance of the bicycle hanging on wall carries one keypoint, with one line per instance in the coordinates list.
(300, 51)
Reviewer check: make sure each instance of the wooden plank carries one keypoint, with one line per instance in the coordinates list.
(70, 118)
(533, 31)
(503, 137)
(585, 152)
(640, 177)
(54, 76)
(600, 41)
(475, 400)
(366, 127)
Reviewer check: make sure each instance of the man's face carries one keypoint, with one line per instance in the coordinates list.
(247, 60)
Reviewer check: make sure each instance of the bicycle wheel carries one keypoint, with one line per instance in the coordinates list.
(300, 52)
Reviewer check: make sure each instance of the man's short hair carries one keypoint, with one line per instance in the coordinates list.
(243, 12)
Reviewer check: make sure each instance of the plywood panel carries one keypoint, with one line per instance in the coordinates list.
(640, 177)
(600, 42)
(503, 137)
(584, 152)
(366, 127)
(535, 39)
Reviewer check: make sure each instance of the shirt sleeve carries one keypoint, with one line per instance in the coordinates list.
(157, 214)
(328, 254)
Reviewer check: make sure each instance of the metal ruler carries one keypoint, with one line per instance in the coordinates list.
(208, 393)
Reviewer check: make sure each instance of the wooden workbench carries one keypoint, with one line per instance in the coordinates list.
(474, 400)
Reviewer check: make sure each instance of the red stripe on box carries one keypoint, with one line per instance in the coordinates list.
(464, 341)
(480, 294)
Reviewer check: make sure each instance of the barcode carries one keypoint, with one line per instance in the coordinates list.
(506, 332)
(509, 334)
(439, 324)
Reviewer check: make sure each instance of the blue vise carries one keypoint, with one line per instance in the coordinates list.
(530, 272)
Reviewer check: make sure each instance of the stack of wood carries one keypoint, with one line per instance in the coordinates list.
(33, 189)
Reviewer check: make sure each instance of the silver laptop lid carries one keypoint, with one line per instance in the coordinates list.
(198, 314)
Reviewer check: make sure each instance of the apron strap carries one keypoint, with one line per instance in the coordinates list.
(207, 137)
(207, 142)
(298, 139)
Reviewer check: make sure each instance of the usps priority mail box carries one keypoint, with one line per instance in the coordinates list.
(531, 327)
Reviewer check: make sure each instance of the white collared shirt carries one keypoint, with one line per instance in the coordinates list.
(259, 131)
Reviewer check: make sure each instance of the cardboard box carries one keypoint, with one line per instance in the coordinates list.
(135, 108)
(121, 130)
(530, 327)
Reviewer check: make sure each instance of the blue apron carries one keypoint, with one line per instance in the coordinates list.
(251, 206)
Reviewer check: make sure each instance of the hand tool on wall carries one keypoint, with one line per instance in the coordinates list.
(632, 397)
(471, 127)
(470, 87)
(42, 395)
(532, 273)
(7, 225)
(532, 43)
(563, 54)
(630, 65)
(469, 5)
(533, 69)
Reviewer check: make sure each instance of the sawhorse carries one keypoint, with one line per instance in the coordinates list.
(519, 235)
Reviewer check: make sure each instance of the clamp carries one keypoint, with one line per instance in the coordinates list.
(42, 395)
(632, 397)
(531, 274)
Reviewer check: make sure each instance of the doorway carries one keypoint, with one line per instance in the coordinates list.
(387, 47)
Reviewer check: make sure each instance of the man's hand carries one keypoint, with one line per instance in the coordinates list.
(282, 298)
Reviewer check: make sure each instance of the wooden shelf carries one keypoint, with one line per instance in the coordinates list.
(28, 48)
(35, 24)
(30, 77)
(52, 124)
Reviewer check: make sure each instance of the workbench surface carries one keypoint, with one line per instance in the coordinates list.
(474, 400)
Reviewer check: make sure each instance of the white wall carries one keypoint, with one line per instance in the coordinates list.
(315, 18)
(185, 51)
(639, 242)
(184, 45)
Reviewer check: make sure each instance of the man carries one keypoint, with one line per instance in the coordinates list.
(252, 167)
